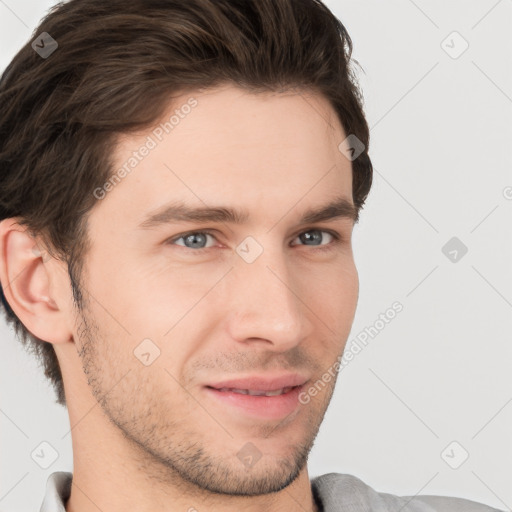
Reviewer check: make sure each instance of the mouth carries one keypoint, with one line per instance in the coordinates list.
(260, 384)
(257, 404)
(254, 392)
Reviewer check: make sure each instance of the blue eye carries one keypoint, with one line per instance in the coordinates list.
(194, 238)
(306, 236)
(197, 239)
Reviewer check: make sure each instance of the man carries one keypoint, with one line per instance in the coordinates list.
(180, 182)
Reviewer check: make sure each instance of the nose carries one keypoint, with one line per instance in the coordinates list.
(264, 305)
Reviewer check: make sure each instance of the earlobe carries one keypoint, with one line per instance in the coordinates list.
(26, 281)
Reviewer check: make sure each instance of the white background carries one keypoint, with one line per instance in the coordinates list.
(439, 372)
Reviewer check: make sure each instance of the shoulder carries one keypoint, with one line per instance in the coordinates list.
(335, 489)
(58, 489)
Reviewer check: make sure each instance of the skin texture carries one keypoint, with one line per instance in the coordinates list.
(149, 438)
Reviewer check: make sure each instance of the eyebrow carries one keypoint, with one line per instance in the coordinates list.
(178, 211)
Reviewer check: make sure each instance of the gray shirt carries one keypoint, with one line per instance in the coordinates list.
(333, 492)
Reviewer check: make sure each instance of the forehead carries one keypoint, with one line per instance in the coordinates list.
(229, 146)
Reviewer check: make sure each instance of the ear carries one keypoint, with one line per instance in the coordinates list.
(26, 281)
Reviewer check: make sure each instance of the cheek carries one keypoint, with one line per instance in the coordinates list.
(350, 285)
(173, 297)
(334, 285)
(335, 298)
(149, 298)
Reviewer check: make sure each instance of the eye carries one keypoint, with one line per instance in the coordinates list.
(312, 237)
(315, 236)
(194, 239)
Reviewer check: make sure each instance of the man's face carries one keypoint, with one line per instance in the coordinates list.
(269, 296)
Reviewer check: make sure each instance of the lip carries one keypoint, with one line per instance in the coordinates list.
(258, 407)
(261, 382)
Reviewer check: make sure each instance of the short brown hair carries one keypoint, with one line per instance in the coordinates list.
(115, 68)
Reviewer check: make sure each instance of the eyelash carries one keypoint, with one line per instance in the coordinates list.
(326, 247)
